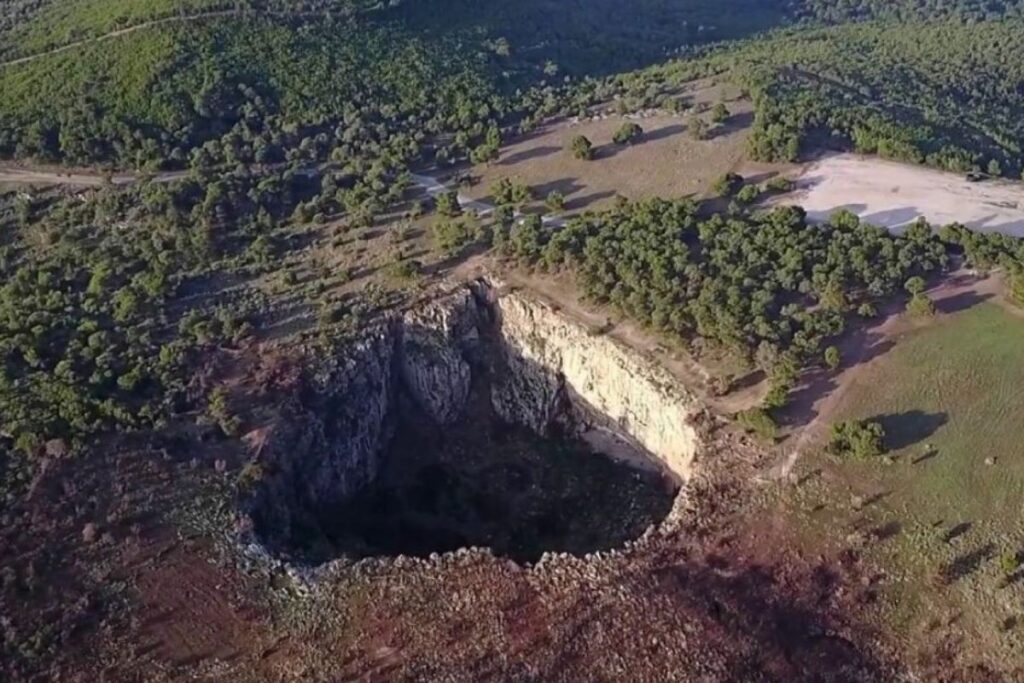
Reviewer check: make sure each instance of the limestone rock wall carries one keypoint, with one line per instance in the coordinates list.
(325, 444)
(435, 342)
(606, 385)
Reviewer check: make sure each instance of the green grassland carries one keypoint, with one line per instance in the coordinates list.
(940, 514)
(958, 387)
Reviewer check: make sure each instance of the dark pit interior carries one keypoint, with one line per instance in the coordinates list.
(486, 483)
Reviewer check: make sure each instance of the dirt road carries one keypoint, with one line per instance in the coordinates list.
(116, 34)
(13, 175)
(151, 24)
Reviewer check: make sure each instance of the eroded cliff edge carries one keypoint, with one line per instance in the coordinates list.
(539, 369)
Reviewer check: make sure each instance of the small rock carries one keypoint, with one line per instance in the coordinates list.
(89, 533)
(990, 461)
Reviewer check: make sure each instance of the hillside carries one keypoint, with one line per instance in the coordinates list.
(149, 97)
(475, 340)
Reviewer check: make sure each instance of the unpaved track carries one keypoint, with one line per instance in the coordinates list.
(151, 24)
(13, 175)
(17, 175)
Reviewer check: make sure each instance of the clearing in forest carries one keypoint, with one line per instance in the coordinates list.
(893, 195)
(666, 161)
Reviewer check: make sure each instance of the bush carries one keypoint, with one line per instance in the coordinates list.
(451, 236)
(1009, 562)
(698, 128)
(727, 185)
(867, 310)
(447, 204)
(249, 477)
(748, 194)
(404, 269)
(779, 183)
(720, 113)
(582, 148)
(758, 421)
(857, 438)
(627, 134)
(920, 306)
(832, 357)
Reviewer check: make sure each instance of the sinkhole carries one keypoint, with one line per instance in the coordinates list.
(467, 424)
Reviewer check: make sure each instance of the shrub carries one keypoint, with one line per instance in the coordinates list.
(452, 235)
(748, 194)
(447, 204)
(832, 357)
(582, 148)
(779, 183)
(857, 438)
(920, 306)
(1009, 561)
(758, 421)
(727, 184)
(555, 201)
(404, 269)
(627, 134)
(720, 113)
(249, 477)
(698, 128)
(867, 310)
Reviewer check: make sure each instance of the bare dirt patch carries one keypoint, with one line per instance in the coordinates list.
(893, 195)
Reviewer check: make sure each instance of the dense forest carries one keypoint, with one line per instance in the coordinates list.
(947, 94)
(846, 10)
(767, 285)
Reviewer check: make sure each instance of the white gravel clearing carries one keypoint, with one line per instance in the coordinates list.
(893, 195)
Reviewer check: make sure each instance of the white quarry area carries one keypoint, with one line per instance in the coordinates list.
(893, 195)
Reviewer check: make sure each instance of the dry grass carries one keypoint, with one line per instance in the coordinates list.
(667, 162)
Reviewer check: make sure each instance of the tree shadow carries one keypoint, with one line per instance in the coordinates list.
(961, 302)
(662, 133)
(908, 428)
(566, 186)
(586, 200)
(886, 531)
(966, 564)
(528, 155)
(613, 149)
(816, 384)
(956, 532)
(777, 629)
(736, 122)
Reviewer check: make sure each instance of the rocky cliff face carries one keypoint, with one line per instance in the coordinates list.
(557, 365)
(545, 372)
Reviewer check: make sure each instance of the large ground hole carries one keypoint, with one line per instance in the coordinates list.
(485, 483)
